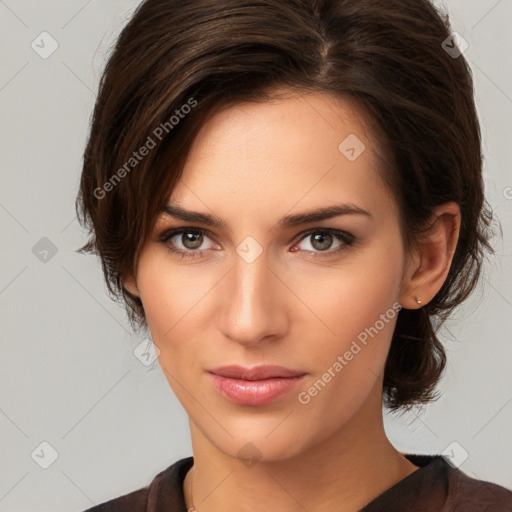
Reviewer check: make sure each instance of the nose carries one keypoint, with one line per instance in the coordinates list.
(255, 304)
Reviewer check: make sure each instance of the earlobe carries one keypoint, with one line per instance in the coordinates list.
(129, 284)
(429, 268)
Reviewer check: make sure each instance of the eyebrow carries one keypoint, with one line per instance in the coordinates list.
(287, 221)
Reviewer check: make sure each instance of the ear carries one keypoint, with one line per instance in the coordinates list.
(130, 284)
(430, 262)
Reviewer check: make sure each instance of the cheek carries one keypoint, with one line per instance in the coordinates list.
(346, 364)
(352, 297)
(169, 290)
(172, 303)
(173, 299)
(358, 307)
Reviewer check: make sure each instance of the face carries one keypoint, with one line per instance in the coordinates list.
(263, 286)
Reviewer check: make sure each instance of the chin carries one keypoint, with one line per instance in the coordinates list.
(262, 443)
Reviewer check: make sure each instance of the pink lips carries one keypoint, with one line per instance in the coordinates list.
(255, 386)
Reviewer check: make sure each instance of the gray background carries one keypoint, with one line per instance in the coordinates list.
(69, 376)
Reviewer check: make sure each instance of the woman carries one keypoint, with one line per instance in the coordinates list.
(288, 196)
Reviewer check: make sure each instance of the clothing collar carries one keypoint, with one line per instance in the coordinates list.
(428, 484)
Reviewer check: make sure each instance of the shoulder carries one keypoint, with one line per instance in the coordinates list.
(437, 485)
(467, 493)
(165, 490)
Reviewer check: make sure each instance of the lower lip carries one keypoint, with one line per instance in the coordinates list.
(255, 392)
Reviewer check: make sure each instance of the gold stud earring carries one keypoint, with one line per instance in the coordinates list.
(418, 300)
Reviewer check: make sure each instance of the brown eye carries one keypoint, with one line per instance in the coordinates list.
(191, 240)
(187, 242)
(328, 241)
(321, 241)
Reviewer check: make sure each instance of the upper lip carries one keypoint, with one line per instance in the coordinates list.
(255, 373)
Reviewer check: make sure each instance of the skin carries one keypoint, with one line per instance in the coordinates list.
(250, 165)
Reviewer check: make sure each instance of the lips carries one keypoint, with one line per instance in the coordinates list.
(256, 373)
(255, 386)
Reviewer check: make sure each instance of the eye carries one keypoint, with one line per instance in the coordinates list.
(190, 240)
(321, 241)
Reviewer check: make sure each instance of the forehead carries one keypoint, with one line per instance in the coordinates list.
(297, 152)
(289, 119)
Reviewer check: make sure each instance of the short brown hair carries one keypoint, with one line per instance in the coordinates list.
(208, 54)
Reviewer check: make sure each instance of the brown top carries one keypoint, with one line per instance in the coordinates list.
(435, 487)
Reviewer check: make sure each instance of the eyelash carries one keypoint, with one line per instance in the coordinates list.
(346, 238)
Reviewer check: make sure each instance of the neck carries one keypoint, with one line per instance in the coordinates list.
(343, 472)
